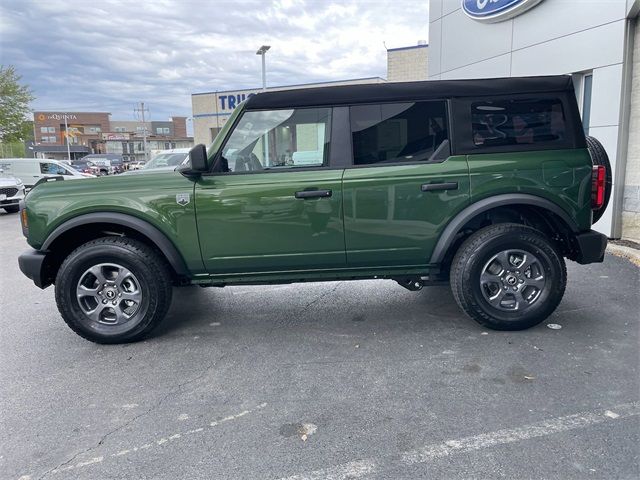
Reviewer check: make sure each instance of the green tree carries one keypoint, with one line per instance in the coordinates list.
(14, 105)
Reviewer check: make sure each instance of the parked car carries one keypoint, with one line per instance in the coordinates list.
(12, 191)
(168, 158)
(164, 161)
(136, 165)
(31, 170)
(104, 164)
(489, 184)
(83, 166)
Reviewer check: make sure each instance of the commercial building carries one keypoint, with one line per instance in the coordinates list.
(95, 132)
(212, 109)
(83, 131)
(597, 42)
(407, 64)
(126, 138)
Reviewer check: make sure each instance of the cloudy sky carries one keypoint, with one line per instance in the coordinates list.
(106, 55)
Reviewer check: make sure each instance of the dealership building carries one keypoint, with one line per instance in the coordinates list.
(597, 42)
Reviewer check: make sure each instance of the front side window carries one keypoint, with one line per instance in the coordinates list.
(277, 139)
(397, 132)
(497, 123)
(53, 169)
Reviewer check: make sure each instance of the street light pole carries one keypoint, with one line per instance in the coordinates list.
(261, 51)
(265, 144)
(66, 135)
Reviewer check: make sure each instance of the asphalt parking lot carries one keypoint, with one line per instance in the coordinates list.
(328, 380)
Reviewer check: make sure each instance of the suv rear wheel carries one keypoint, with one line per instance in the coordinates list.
(508, 277)
(113, 290)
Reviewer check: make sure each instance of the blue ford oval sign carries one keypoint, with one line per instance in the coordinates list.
(490, 11)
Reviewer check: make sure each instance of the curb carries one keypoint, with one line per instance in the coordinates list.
(631, 254)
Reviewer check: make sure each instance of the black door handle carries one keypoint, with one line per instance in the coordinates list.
(429, 187)
(313, 194)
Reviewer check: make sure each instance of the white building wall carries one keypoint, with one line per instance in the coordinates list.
(555, 37)
(631, 199)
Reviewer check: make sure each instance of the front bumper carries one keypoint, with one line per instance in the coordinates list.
(13, 200)
(590, 247)
(33, 264)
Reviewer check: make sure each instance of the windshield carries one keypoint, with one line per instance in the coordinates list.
(166, 160)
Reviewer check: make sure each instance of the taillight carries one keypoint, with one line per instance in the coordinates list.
(598, 186)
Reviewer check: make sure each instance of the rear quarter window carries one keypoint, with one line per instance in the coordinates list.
(517, 122)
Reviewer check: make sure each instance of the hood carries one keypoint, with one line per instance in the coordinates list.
(8, 181)
(149, 170)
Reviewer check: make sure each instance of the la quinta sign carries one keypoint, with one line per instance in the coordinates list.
(491, 11)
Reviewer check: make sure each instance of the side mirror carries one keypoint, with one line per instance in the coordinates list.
(198, 158)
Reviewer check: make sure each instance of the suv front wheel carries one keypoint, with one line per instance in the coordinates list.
(113, 290)
(508, 277)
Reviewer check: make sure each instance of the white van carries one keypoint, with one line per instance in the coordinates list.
(30, 170)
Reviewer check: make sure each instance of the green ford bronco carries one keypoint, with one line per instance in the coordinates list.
(488, 184)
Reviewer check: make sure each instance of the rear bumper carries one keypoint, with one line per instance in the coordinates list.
(590, 247)
(32, 264)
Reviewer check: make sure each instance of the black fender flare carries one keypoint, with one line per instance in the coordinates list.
(160, 240)
(453, 227)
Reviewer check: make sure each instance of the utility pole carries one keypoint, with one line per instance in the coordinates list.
(66, 135)
(144, 130)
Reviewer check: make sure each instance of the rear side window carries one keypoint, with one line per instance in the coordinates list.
(397, 132)
(498, 123)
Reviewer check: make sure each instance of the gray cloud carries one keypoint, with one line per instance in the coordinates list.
(109, 54)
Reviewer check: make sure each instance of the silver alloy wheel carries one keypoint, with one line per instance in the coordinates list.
(109, 294)
(512, 280)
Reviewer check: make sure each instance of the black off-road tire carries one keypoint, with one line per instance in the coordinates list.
(150, 271)
(11, 208)
(473, 256)
(599, 157)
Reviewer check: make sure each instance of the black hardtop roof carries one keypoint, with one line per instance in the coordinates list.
(407, 91)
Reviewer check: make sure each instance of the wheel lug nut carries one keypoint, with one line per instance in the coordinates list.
(515, 289)
(100, 292)
(114, 303)
(104, 301)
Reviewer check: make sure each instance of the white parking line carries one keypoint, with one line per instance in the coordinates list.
(359, 468)
(345, 471)
(501, 437)
(158, 442)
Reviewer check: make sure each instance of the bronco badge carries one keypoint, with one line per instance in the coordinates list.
(183, 199)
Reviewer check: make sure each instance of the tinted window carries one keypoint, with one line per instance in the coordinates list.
(397, 132)
(277, 139)
(517, 122)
